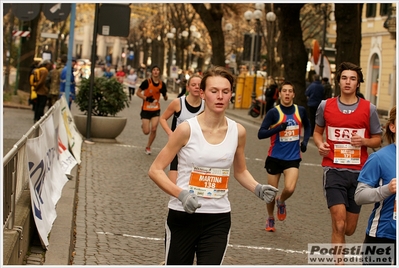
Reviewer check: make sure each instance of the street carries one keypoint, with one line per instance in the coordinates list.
(121, 219)
(121, 213)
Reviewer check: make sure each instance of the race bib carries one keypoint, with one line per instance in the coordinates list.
(209, 182)
(291, 133)
(346, 154)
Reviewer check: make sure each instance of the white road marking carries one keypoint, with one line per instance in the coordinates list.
(248, 159)
(230, 245)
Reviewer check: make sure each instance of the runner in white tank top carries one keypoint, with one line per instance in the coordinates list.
(208, 145)
(181, 109)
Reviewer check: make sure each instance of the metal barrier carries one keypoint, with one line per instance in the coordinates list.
(15, 172)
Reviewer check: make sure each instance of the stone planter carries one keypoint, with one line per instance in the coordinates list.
(102, 127)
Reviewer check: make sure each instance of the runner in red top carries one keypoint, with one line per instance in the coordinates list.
(351, 125)
(120, 75)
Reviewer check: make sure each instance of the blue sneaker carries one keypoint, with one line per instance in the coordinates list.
(270, 225)
(281, 210)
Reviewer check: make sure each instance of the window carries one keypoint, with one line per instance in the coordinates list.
(385, 9)
(371, 10)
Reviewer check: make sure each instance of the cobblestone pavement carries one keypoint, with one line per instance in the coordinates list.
(121, 213)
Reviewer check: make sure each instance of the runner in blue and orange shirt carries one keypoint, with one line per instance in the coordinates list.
(283, 125)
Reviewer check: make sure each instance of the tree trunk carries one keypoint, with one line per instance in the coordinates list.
(8, 49)
(294, 54)
(212, 19)
(28, 49)
(349, 34)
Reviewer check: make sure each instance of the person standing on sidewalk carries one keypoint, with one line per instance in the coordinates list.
(327, 88)
(42, 90)
(377, 184)
(183, 108)
(72, 85)
(283, 125)
(150, 91)
(55, 75)
(314, 94)
(351, 125)
(208, 145)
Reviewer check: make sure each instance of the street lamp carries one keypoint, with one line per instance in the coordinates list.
(184, 34)
(324, 9)
(270, 18)
(149, 61)
(170, 37)
(228, 27)
(326, 16)
(257, 15)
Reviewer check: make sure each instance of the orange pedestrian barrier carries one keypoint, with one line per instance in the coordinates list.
(244, 89)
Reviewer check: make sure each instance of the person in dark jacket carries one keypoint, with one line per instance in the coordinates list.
(42, 90)
(327, 88)
(271, 96)
(314, 94)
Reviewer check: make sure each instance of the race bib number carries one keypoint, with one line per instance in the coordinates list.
(346, 154)
(209, 182)
(291, 133)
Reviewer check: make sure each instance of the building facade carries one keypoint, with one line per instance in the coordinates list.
(378, 56)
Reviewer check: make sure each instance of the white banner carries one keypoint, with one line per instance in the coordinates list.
(46, 177)
(66, 158)
(68, 162)
(74, 137)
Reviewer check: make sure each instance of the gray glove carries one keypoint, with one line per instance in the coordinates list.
(189, 201)
(265, 192)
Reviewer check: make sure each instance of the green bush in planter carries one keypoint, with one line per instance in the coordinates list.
(108, 96)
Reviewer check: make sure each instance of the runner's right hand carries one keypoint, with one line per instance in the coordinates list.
(150, 99)
(189, 201)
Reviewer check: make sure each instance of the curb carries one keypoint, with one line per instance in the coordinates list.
(17, 106)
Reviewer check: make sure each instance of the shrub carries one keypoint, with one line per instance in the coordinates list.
(108, 96)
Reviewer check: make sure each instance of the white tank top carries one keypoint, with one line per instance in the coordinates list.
(198, 153)
(185, 113)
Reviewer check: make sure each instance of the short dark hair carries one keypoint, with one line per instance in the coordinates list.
(64, 58)
(316, 77)
(349, 66)
(325, 79)
(155, 66)
(286, 83)
(217, 71)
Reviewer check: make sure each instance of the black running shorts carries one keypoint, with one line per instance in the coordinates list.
(340, 187)
(276, 166)
(173, 164)
(149, 114)
(203, 235)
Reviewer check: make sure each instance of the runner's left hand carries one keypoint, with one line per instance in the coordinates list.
(303, 147)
